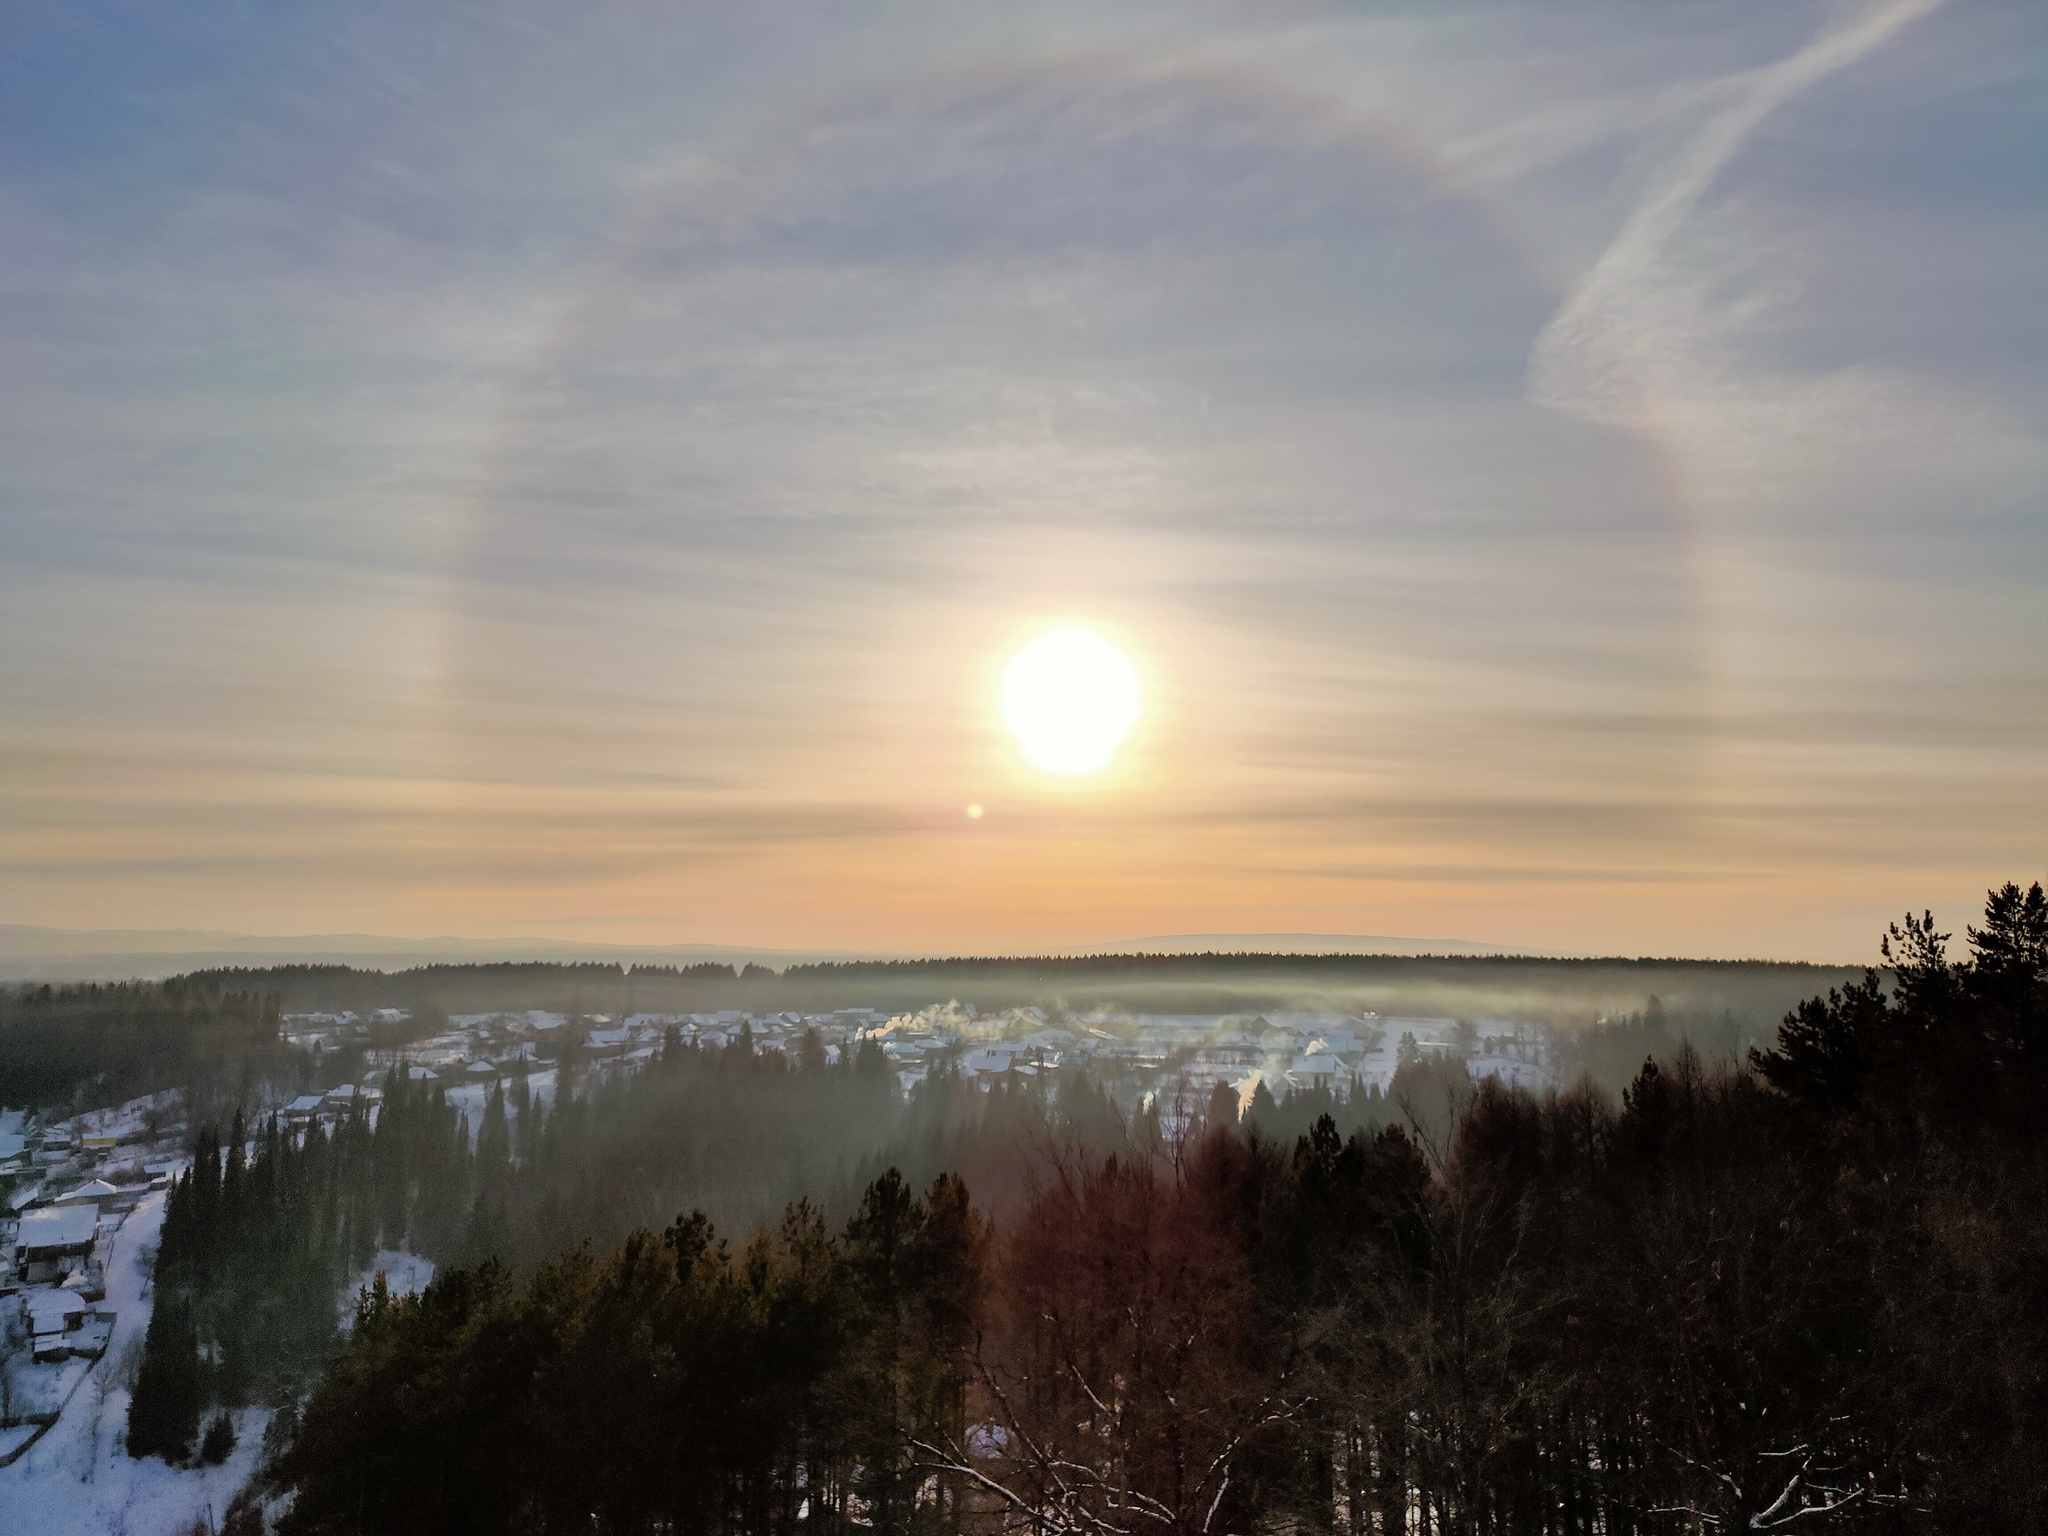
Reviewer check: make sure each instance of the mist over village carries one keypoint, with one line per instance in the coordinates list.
(912, 770)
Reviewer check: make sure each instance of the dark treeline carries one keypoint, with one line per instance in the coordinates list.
(85, 1046)
(1805, 1290)
(1567, 992)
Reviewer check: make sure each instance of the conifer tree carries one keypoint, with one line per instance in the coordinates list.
(163, 1414)
(219, 1441)
(493, 1147)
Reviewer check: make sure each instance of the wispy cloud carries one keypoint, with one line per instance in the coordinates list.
(1612, 344)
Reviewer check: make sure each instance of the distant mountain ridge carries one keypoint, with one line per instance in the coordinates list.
(29, 953)
(32, 953)
(1313, 944)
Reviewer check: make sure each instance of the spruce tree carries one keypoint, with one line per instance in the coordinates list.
(493, 1147)
(219, 1442)
(163, 1415)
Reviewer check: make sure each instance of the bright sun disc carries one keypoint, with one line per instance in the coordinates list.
(1070, 697)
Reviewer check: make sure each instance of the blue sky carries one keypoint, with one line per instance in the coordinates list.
(1572, 474)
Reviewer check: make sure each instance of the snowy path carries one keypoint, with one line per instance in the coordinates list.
(78, 1481)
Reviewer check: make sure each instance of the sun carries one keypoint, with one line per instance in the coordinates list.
(1070, 698)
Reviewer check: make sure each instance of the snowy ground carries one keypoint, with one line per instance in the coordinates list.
(79, 1481)
(473, 1098)
(406, 1274)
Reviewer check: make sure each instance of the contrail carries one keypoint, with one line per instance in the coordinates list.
(1590, 358)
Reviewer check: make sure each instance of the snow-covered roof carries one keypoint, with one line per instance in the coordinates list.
(1318, 1065)
(305, 1104)
(93, 1190)
(60, 1226)
(48, 1309)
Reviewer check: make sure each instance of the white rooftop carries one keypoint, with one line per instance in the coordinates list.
(64, 1226)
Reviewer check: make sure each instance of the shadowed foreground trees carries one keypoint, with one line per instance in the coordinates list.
(676, 1384)
(1804, 1295)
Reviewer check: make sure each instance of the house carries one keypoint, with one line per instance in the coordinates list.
(993, 1059)
(304, 1110)
(52, 1314)
(1317, 1068)
(100, 1195)
(52, 1242)
(1230, 1058)
(131, 1184)
(54, 1144)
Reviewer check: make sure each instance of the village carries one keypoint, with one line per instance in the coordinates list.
(1156, 1056)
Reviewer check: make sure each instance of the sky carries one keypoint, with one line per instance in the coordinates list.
(1569, 475)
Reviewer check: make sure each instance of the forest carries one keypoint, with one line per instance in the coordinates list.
(85, 1046)
(1802, 1290)
(265, 1226)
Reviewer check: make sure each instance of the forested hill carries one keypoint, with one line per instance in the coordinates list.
(1563, 991)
